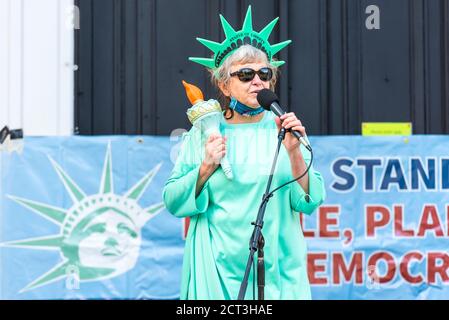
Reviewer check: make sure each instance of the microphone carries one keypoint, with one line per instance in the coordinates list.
(270, 101)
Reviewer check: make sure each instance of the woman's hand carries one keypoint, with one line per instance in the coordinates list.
(215, 151)
(290, 121)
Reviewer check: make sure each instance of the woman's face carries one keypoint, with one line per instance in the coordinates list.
(245, 92)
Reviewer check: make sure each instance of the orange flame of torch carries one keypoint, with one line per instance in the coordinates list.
(194, 93)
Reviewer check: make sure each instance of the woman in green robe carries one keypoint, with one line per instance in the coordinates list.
(221, 210)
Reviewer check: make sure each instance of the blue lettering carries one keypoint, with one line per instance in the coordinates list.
(418, 170)
(445, 174)
(369, 165)
(388, 178)
(345, 175)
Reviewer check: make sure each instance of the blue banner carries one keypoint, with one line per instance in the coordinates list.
(83, 218)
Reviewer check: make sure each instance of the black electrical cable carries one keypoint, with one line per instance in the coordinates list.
(300, 177)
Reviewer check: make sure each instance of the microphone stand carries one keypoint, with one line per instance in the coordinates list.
(257, 241)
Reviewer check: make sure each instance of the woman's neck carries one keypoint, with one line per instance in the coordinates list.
(238, 118)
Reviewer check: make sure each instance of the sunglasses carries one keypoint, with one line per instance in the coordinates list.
(248, 74)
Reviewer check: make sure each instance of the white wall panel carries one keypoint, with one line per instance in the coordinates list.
(36, 66)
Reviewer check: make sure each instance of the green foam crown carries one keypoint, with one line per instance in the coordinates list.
(235, 39)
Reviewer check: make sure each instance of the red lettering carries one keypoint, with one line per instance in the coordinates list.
(391, 266)
(355, 267)
(372, 223)
(313, 267)
(307, 233)
(447, 219)
(433, 269)
(325, 222)
(399, 222)
(186, 226)
(404, 267)
(434, 225)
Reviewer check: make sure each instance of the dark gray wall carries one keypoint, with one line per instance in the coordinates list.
(132, 56)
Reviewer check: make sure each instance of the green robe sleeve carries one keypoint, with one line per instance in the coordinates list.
(179, 190)
(307, 203)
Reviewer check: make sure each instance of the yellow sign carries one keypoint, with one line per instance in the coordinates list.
(386, 129)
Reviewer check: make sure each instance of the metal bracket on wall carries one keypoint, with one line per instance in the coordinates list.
(11, 140)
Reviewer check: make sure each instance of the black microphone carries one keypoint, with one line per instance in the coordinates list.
(270, 101)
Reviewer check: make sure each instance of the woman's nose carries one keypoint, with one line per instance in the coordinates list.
(257, 80)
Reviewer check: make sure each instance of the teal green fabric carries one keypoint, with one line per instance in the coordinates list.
(216, 249)
(243, 109)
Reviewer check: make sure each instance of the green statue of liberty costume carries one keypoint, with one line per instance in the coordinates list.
(217, 246)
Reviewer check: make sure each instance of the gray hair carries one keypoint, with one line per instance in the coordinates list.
(245, 54)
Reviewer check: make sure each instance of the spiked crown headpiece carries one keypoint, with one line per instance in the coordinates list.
(235, 39)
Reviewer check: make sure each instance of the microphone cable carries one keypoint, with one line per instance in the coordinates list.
(296, 179)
